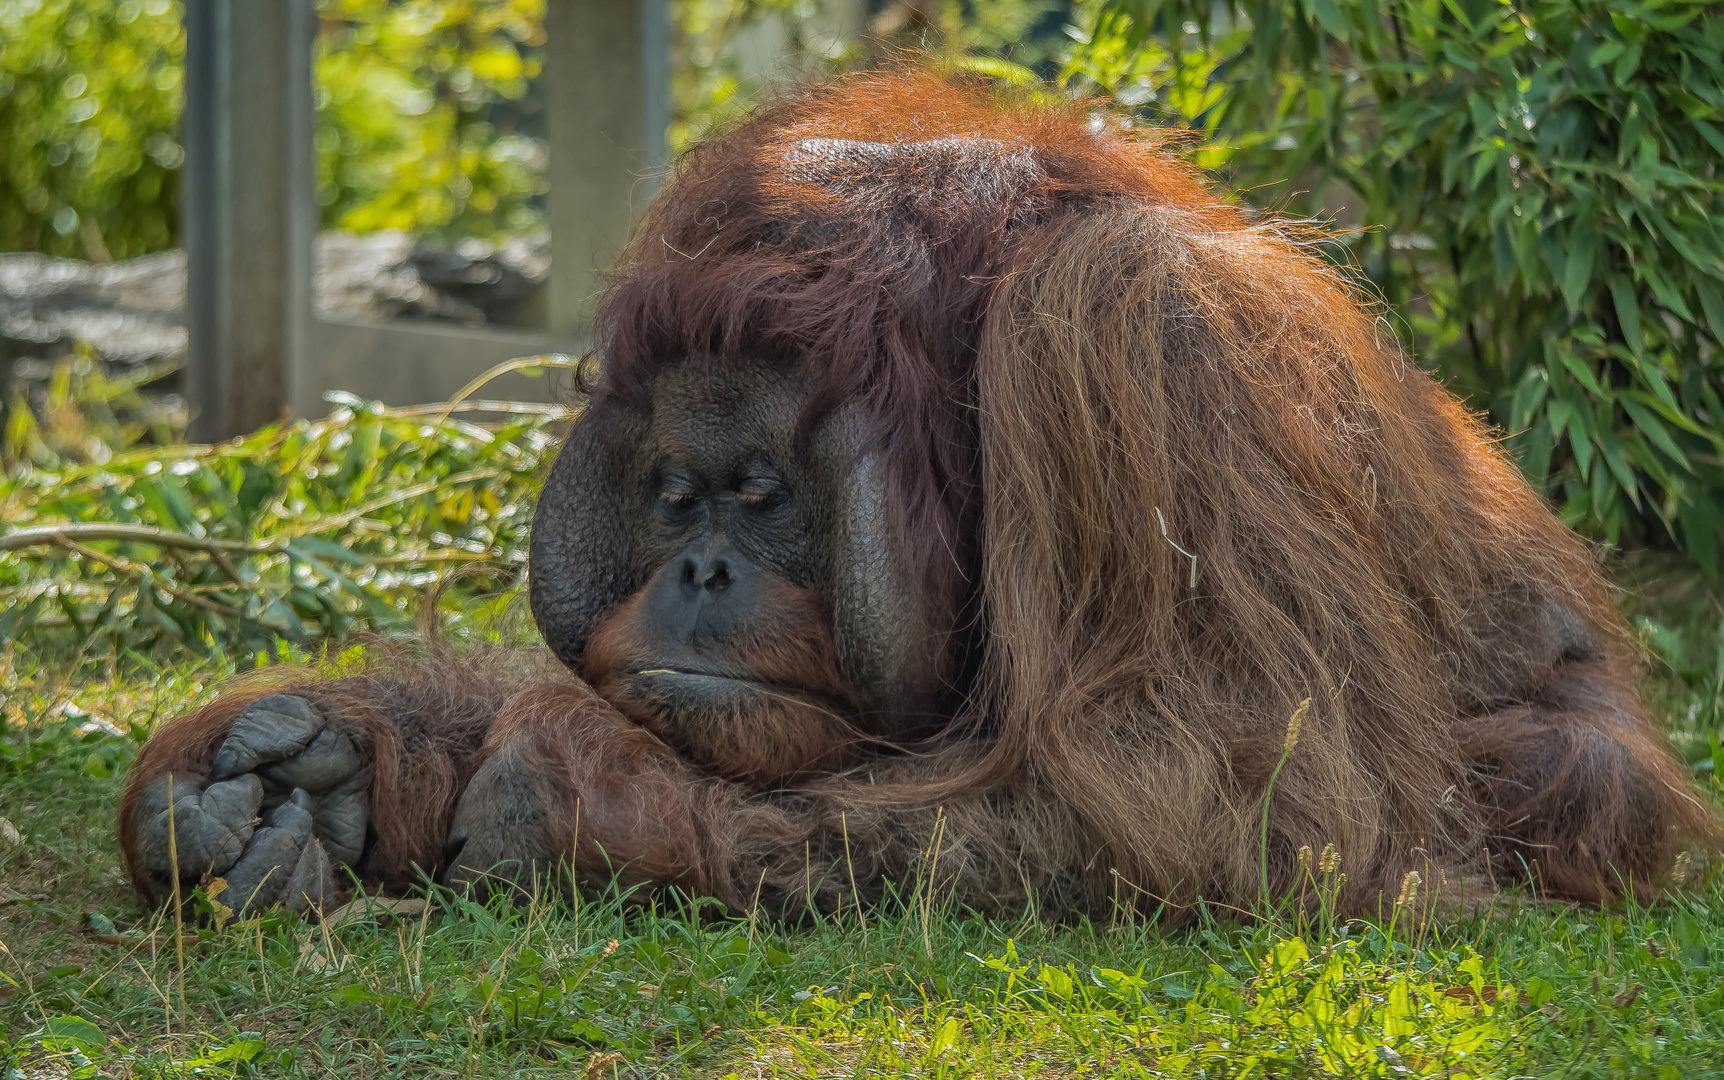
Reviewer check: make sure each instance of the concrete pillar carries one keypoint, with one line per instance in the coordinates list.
(250, 216)
(607, 107)
(236, 199)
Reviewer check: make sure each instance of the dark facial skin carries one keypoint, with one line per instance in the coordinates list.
(731, 500)
(728, 650)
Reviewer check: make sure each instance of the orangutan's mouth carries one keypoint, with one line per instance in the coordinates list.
(686, 675)
(716, 682)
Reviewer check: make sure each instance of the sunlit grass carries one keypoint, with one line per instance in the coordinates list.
(91, 984)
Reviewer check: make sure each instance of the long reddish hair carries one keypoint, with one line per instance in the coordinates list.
(1192, 479)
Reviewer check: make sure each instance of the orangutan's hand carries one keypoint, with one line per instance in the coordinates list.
(499, 839)
(312, 785)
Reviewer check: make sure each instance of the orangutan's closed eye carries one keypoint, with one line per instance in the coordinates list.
(955, 465)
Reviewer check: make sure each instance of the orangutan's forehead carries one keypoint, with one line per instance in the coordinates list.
(733, 403)
(812, 153)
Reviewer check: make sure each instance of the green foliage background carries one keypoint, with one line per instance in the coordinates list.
(1531, 187)
(90, 100)
(299, 532)
(427, 119)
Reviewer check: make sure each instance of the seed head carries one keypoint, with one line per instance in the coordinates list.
(1304, 856)
(1409, 889)
(1680, 873)
(1330, 860)
(1297, 719)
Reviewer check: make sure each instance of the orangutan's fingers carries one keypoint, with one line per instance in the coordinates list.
(283, 738)
(283, 864)
(268, 730)
(328, 761)
(312, 886)
(341, 816)
(498, 839)
(260, 878)
(211, 824)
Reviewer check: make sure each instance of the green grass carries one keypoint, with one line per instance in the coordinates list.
(91, 982)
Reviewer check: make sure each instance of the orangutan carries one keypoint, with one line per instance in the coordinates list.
(970, 497)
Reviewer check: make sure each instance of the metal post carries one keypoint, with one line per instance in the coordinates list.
(238, 157)
(606, 78)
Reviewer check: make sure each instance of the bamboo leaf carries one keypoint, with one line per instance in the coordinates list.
(1535, 446)
(1669, 296)
(1582, 447)
(1582, 372)
(1611, 451)
(1713, 305)
(1655, 431)
(1627, 310)
(1577, 274)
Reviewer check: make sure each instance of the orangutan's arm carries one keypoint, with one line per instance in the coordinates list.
(568, 782)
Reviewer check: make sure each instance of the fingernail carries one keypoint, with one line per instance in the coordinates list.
(225, 763)
(300, 799)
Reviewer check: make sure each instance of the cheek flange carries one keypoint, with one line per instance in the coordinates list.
(581, 550)
(877, 614)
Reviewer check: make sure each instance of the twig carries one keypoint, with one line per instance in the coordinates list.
(336, 522)
(134, 534)
(529, 408)
(179, 912)
(524, 363)
(1176, 547)
(127, 566)
(227, 567)
(40, 535)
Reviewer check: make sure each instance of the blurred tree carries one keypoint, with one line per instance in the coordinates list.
(719, 72)
(711, 82)
(89, 105)
(428, 116)
(1027, 33)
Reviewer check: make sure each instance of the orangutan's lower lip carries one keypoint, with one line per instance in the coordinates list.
(660, 673)
(686, 677)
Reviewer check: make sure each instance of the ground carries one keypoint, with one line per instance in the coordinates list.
(93, 983)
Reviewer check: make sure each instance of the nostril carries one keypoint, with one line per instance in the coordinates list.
(718, 578)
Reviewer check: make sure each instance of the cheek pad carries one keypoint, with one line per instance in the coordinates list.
(877, 611)
(582, 546)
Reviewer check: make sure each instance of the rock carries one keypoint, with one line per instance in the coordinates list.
(387, 275)
(131, 313)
